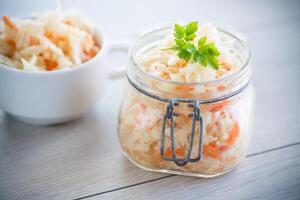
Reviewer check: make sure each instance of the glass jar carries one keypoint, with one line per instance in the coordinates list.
(197, 129)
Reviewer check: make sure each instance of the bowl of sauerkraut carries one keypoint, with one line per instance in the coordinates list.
(51, 66)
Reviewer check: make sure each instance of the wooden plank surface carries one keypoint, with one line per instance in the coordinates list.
(267, 176)
(83, 157)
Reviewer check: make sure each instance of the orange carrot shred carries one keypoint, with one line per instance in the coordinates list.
(179, 152)
(181, 64)
(223, 148)
(211, 151)
(221, 88)
(11, 43)
(50, 65)
(34, 41)
(9, 23)
(219, 106)
(184, 88)
(234, 132)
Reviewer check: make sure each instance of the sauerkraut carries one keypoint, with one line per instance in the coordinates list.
(166, 64)
(50, 41)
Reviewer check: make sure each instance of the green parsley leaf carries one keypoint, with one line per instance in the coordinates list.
(191, 28)
(179, 31)
(180, 42)
(204, 53)
(190, 37)
(203, 60)
(184, 54)
(213, 62)
(202, 41)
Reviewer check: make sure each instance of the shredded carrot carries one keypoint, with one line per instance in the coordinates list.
(88, 55)
(184, 88)
(213, 145)
(181, 64)
(223, 148)
(179, 152)
(210, 150)
(218, 106)
(168, 152)
(226, 66)
(220, 73)
(213, 150)
(11, 43)
(234, 132)
(48, 34)
(165, 75)
(93, 51)
(34, 41)
(59, 39)
(9, 23)
(50, 65)
(221, 88)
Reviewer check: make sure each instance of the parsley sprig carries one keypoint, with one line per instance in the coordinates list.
(203, 53)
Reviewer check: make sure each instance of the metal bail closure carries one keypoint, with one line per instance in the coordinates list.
(196, 117)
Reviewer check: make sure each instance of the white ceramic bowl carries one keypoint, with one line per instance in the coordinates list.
(46, 98)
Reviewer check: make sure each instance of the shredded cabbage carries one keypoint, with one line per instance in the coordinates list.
(51, 41)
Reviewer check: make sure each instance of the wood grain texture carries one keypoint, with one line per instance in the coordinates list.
(269, 176)
(67, 161)
(83, 157)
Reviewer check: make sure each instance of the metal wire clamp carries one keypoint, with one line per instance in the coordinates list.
(196, 118)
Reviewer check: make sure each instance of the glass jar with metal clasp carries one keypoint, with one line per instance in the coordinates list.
(197, 129)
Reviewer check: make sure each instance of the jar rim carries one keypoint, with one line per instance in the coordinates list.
(241, 70)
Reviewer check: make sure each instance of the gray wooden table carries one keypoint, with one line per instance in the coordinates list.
(83, 159)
